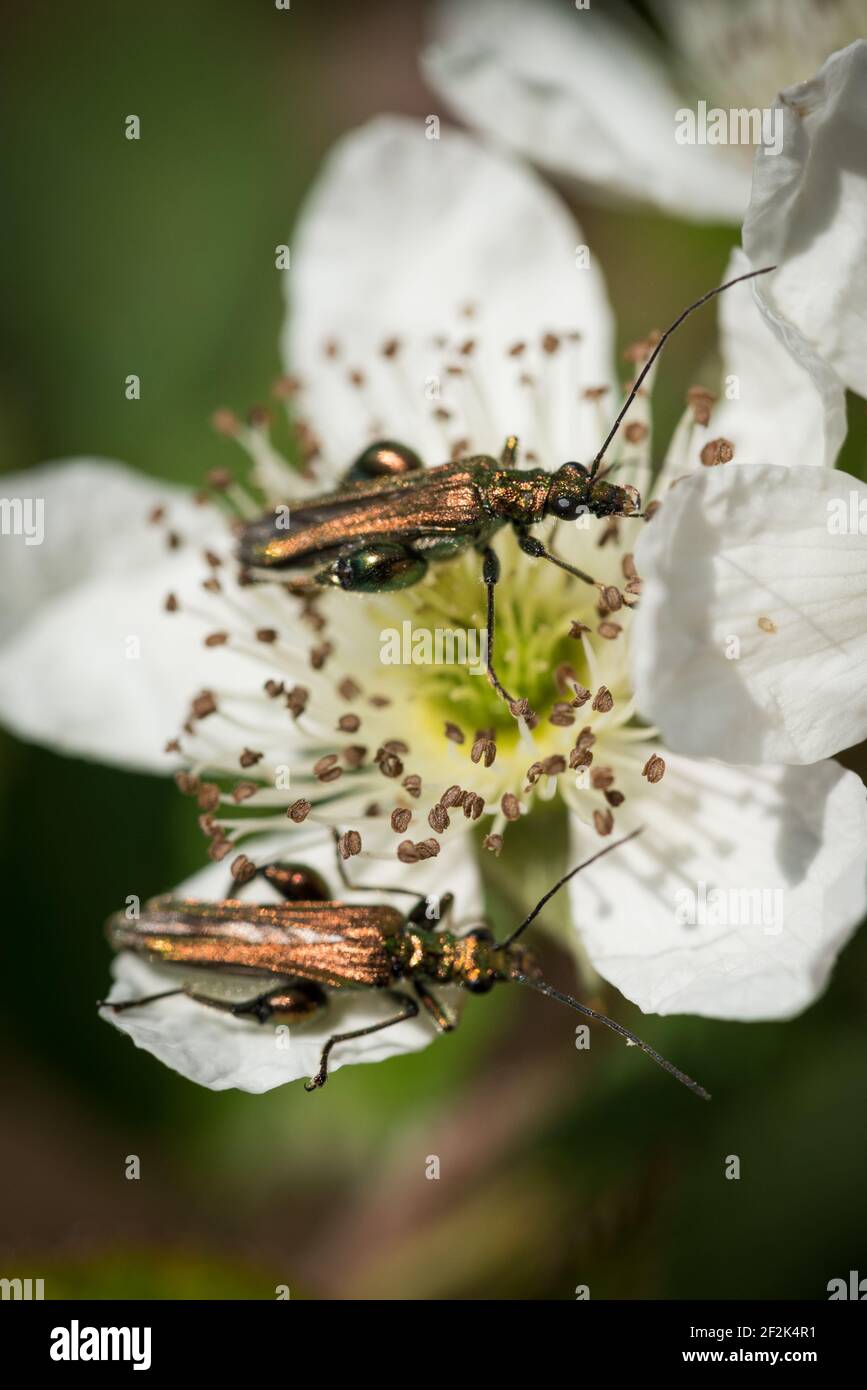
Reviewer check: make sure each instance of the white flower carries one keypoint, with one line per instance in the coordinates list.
(808, 214)
(436, 299)
(762, 654)
(589, 93)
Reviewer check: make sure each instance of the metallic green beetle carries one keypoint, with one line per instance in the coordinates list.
(390, 517)
(297, 952)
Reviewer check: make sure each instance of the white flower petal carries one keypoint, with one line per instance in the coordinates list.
(750, 643)
(583, 96)
(738, 897)
(216, 1050)
(75, 603)
(784, 404)
(400, 235)
(808, 214)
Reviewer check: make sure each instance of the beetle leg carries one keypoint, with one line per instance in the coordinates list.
(409, 1010)
(491, 575)
(376, 568)
(509, 456)
(531, 546)
(365, 887)
(444, 1021)
(124, 1004)
(282, 999)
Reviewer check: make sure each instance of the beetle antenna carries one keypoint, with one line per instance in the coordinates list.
(531, 916)
(657, 350)
(632, 1039)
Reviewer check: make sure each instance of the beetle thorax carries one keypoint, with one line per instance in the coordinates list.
(517, 494)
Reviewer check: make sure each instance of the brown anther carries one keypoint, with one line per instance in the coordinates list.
(562, 715)
(586, 738)
(186, 783)
(249, 757)
(438, 818)
(520, 709)
(348, 689)
(218, 849)
(594, 393)
(285, 387)
(156, 515)
(209, 826)
(654, 768)
(391, 347)
(400, 819)
(212, 586)
(609, 630)
(494, 843)
(611, 597)
(582, 695)
(349, 844)
(242, 869)
(603, 700)
(652, 508)
(483, 749)
(379, 701)
(534, 772)
(216, 639)
(356, 378)
(296, 700)
(517, 349)
(467, 348)
(203, 705)
(208, 796)
(354, 754)
(171, 604)
(459, 449)
(604, 822)
(219, 479)
(553, 766)
(628, 566)
(601, 778)
(452, 796)
(700, 401)
(349, 723)
(614, 798)
(274, 688)
(299, 810)
(580, 757)
(407, 852)
(326, 769)
(390, 764)
(576, 628)
(636, 432)
(319, 655)
(717, 451)
(634, 586)
(242, 791)
(473, 805)
(412, 784)
(428, 849)
(172, 746)
(225, 422)
(454, 733)
(565, 677)
(767, 624)
(510, 806)
(550, 343)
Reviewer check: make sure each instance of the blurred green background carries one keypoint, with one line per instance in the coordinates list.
(157, 257)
